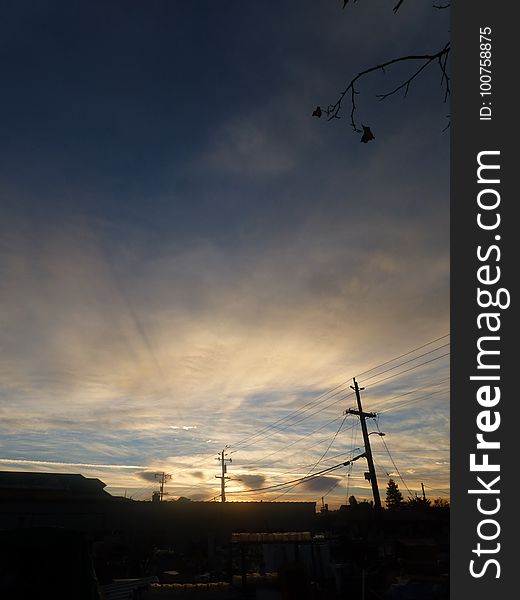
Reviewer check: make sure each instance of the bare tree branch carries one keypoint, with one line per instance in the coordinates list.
(443, 54)
(395, 9)
(444, 79)
(333, 110)
(406, 84)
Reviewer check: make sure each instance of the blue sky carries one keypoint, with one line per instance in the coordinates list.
(187, 255)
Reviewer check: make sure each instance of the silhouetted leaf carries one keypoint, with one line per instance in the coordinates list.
(367, 134)
(317, 112)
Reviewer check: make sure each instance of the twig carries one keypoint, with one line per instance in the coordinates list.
(405, 84)
(445, 77)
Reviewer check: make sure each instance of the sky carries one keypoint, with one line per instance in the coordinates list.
(190, 261)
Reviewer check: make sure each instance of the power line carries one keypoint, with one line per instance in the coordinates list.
(438, 490)
(285, 447)
(412, 392)
(306, 435)
(351, 451)
(319, 443)
(322, 456)
(300, 479)
(403, 355)
(349, 473)
(307, 465)
(294, 423)
(395, 466)
(334, 486)
(373, 384)
(290, 415)
(409, 361)
(410, 369)
(327, 393)
(412, 401)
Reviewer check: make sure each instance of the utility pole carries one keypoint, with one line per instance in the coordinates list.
(423, 494)
(368, 452)
(163, 478)
(222, 457)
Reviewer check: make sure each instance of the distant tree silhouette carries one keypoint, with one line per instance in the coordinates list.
(418, 502)
(421, 60)
(360, 506)
(440, 503)
(394, 498)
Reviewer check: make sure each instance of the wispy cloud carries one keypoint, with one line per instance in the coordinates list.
(37, 463)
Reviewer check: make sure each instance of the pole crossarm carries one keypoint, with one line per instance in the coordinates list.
(366, 415)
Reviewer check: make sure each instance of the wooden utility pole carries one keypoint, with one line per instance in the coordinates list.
(368, 452)
(163, 478)
(222, 457)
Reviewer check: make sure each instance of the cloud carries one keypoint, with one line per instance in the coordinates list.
(198, 497)
(148, 476)
(184, 427)
(248, 146)
(287, 307)
(39, 463)
(319, 484)
(252, 481)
